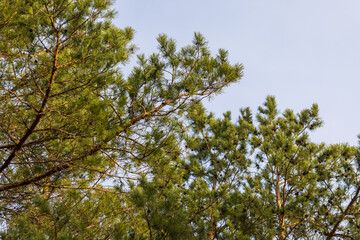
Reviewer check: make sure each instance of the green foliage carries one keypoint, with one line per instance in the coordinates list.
(66, 105)
(87, 153)
(70, 122)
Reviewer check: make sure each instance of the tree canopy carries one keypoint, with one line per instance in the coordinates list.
(87, 153)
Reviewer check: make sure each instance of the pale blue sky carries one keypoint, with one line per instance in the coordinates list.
(301, 51)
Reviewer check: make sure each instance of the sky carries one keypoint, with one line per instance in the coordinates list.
(300, 51)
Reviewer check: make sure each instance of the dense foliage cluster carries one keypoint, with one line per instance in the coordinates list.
(87, 153)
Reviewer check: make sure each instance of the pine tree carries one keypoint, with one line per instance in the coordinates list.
(217, 158)
(69, 120)
(307, 189)
(265, 179)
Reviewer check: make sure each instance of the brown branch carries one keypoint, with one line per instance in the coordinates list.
(38, 115)
(36, 178)
(353, 200)
(78, 188)
(74, 62)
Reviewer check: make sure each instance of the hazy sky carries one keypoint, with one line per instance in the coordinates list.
(301, 51)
